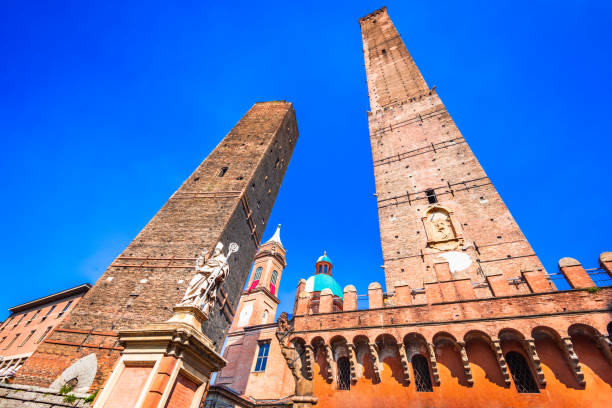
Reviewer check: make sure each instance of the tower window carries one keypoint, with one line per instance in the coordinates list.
(422, 379)
(274, 277)
(257, 273)
(325, 269)
(384, 52)
(262, 356)
(521, 374)
(223, 171)
(344, 374)
(431, 196)
(320, 268)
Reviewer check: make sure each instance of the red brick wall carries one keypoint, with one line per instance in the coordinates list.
(151, 275)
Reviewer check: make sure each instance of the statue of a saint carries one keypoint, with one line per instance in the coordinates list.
(202, 289)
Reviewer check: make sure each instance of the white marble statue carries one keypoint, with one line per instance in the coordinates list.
(202, 289)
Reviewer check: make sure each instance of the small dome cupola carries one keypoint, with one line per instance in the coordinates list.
(323, 265)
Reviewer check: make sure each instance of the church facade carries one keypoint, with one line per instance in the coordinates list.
(469, 316)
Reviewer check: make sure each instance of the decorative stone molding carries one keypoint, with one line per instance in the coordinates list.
(309, 361)
(443, 233)
(605, 345)
(529, 346)
(330, 361)
(434, 363)
(568, 349)
(465, 362)
(401, 348)
(373, 348)
(353, 362)
(497, 350)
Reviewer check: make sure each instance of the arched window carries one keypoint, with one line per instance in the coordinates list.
(274, 277)
(320, 268)
(264, 317)
(422, 379)
(324, 268)
(521, 374)
(344, 373)
(257, 273)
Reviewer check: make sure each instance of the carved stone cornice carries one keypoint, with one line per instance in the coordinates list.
(529, 346)
(568, 349)
(401, 348)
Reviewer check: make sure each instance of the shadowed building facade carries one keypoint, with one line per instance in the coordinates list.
(228, 198)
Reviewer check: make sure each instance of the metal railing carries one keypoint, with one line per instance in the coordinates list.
(600, 277)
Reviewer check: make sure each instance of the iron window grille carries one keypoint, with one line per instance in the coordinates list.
(344, 374)
(521, 374)
(422, 379)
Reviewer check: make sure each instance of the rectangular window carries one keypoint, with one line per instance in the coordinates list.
(65, 308)
(19, 321)
(44, 335)
(6, 323)
(262, 356)
(431, 196)
(2, 341)
(33, 317)
(27, 338)
(222, 171)
(48, 313)
(12, 341)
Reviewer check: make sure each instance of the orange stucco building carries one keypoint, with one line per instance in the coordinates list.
(467, 315)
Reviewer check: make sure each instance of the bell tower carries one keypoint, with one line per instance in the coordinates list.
(259, 302)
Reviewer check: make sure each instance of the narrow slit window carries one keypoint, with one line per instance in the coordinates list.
(48, 313)
(521, 373)
(27, 338)
(65, 308)
(44, 335)
(431, 196)
(262, 356)
(223, 171)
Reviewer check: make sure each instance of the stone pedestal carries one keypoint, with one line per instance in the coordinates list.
(165, 364)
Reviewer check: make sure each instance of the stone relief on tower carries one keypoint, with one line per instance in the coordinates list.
(441, 231)
(210, 274)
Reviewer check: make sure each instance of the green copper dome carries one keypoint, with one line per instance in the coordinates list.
(317, 283)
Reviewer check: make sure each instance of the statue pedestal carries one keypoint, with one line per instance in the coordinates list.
(163, 364)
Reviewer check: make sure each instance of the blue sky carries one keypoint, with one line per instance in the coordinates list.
(107, 106)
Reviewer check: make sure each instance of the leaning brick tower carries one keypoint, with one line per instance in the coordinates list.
(228, 198)
(435, 202)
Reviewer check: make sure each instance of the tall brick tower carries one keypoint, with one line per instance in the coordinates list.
(228, 198)
(435, 202)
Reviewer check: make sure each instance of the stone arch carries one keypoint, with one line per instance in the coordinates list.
(389, 358)
(448, 354)
(554, 355)
(483, 358)
(592, 350)
(339, 347)
(415, 344)
(513, 341)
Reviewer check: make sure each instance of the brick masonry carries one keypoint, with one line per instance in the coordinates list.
(228, 198)
(416, 146)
